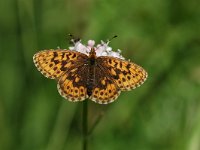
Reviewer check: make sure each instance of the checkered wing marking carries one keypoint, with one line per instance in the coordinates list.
(126, 75)
(53, 63)
(72, 84)
(104, 90)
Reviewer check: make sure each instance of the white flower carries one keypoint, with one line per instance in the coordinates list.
(101, 49)
(91, 43)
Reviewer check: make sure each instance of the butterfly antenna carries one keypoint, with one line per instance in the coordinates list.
(109, 40)
(73, 40)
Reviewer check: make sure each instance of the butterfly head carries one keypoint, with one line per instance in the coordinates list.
(92, 53)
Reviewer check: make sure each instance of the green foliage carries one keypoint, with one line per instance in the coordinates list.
(163, 36)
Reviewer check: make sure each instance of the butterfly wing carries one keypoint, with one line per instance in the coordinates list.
(105, 89)
(72, 84)
(125, 74)
(53, 63)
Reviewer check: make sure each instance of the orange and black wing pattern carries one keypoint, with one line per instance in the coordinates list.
(125, 74)
(72, 85)
(105, 90)
(68, 68)
(53, 63)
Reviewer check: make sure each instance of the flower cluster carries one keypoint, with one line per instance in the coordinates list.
(101, 49)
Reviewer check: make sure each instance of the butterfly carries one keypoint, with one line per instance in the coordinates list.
(81, 76)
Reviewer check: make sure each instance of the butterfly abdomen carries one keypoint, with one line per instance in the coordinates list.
(90, 78)
(90, 86)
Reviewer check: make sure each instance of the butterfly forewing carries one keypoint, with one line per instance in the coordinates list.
(125, 74)
(53, 63)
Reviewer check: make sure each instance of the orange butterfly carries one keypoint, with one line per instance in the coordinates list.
(81, 76)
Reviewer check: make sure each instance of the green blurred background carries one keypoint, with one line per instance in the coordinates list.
(163, 36)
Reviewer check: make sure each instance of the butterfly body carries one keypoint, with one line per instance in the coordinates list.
(82, 76)
(90, 77)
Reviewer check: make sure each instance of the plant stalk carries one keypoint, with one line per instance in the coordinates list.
(85, 125)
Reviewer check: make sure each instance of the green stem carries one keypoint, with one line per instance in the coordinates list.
(96, 123)
(85, 124)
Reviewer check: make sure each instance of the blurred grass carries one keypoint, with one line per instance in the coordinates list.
(162, 36)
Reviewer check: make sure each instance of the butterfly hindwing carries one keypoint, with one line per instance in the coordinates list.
(125, 74)
(104, 89)
(53, 63)
(72, 84)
